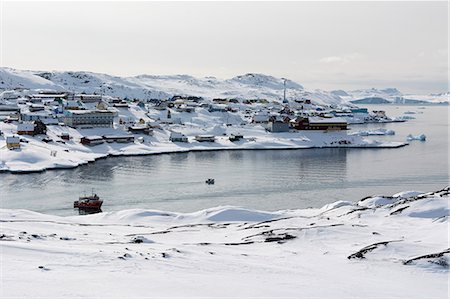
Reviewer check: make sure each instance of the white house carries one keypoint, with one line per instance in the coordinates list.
(178, 137)
(12, 142)
(89, 118)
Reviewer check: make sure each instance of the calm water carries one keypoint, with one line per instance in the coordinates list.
(266, 180)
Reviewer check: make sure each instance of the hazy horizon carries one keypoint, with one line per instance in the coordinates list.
(325, 45)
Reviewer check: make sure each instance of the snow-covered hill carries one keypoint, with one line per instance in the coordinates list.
(248, 86)
(380, 247)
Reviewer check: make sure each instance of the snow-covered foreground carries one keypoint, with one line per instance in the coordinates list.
(376, 248)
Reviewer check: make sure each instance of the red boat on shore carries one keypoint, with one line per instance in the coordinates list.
(92, 202)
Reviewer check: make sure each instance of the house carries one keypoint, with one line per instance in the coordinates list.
(277, 126)
(12, 142)
(319, 123)
(89, 98)
(379, 113)
(9, 112)
(177, 137)
(205, 138)
(73, 105)
(119, 139)
(9, 95)
(44, 116)
(153, 125)
(121, 104)
(9, 108)
(235, 137)
(260, 118)
(65, 136)
(170, 121)
(184, 108)
(36, 107)
(91, 140)
(89, 118)
(217, 108)
(220, 101)
(359, 110)
(140, 130)
(161, 105)
(25, 129)
(101, 105)
(303, 101)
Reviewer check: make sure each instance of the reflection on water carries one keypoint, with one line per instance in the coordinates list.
(266, 180)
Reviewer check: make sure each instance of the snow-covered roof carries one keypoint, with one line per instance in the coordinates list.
(176, 135)
(90, 111)
(93, 137)
(12, 139)
(25, 127)
(327, 120)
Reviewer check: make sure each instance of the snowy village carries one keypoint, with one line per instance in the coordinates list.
(47, 128)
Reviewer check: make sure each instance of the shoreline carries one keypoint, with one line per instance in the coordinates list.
(391, 145)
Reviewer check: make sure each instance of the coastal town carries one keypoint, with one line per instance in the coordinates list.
(43, 129)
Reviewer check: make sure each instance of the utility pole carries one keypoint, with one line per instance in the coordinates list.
(284, 91)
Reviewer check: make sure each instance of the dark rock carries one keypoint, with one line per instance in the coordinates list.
(427, 256)
(280, 238)
(361, 253)
(398, 211)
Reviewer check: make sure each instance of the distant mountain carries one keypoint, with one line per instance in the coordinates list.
(391, 95)
(340, 93)
(371, 100)
(246, 86)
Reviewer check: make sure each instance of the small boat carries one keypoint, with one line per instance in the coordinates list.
(92, 202)
(210, 181)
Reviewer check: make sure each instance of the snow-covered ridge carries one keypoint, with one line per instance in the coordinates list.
(248, 86)
(159, 87)
(343, 249)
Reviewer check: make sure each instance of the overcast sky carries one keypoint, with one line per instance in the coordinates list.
(327, 45)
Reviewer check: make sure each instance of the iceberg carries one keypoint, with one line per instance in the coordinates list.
(377, 132)
(420, 137)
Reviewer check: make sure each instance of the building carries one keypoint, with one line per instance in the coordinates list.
(217, 108)
(36, 107)
(119, 138)
(319, 123)
(9, 112)
(12, 142)
(177, 137)
(65, 136)
(73, 105)
(25, 129)
(260, 118)
(91, 140)
(140, 130)
(205, 138)
(88, 98)
(379, 113)
(278, 126)
(235, 137)
(89, 118)
(359, 110)
(44, 116)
